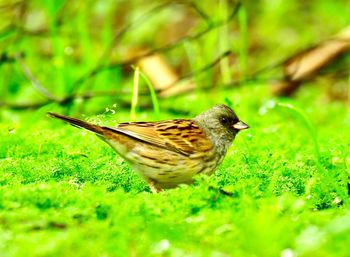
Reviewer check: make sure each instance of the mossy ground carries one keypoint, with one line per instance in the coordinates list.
(64, 192)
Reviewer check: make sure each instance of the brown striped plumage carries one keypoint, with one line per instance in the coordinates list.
(171, 152)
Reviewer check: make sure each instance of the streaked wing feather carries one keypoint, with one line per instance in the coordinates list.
(182, 136)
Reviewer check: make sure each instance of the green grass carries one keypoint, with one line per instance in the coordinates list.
(282, 190)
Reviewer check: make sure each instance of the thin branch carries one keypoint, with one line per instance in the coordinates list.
(200, 12)
(201, 70)
(24, 106)
(35, 83)
(113, 93)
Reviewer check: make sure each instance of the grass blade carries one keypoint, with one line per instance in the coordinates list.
(154, 98)
(135, 93)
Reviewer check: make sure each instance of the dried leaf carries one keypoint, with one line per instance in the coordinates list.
(158, 70)
(306, 64)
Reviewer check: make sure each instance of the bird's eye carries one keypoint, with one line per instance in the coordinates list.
(224, 120)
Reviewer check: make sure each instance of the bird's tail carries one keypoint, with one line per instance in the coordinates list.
(78, 123)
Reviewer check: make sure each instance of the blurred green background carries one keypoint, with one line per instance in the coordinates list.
(282, 190)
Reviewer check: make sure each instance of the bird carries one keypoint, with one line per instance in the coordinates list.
(168, 153)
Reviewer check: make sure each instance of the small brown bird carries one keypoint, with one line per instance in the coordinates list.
(168, 153)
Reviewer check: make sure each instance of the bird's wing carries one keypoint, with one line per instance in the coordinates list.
(181, 136)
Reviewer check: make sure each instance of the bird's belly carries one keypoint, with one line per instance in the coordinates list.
(171, 176)
(166, 168)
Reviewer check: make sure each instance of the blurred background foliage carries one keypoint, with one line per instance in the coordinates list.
(80, 53)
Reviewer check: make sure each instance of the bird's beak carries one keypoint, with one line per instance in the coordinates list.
(240, 125)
